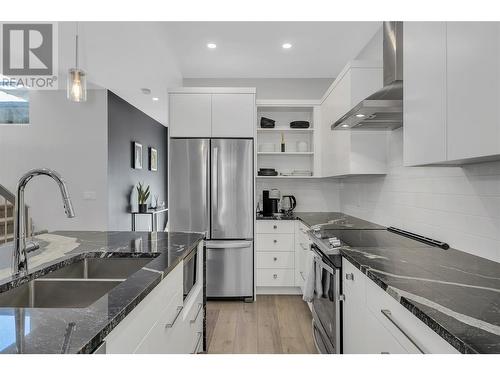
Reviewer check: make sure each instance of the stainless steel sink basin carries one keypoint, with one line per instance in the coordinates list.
(100, 268)
(58, 293)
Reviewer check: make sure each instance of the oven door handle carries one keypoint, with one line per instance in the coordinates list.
(324, 265)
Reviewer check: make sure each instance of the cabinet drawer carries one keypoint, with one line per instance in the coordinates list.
(274, 242)
(272, 259)
(397, 320)
(275, 277)
(165, 340)
(303, 229)
(196, 332)
(275, 226)
(157, 305)
(194, 306)
(380, 341)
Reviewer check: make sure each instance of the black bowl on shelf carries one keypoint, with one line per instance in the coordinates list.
(299, 124)
(267, 172)
(267, 123)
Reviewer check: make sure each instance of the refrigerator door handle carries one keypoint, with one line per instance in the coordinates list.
(215, 181)
(207, 194)
(228, 244)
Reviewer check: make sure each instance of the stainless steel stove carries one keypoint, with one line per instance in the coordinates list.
(328, 297)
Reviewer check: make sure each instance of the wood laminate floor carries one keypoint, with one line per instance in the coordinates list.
(273, 324)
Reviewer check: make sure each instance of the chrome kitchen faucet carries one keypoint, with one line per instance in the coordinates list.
(21, 248)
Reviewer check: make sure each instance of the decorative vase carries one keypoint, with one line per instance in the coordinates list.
(143, 208)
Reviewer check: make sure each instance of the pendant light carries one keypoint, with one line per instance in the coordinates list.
(77, 80)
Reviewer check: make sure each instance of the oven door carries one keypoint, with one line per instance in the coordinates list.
(326, 306)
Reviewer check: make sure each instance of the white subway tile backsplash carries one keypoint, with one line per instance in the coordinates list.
(459, 205)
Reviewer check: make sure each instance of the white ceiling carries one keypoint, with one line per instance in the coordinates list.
(127, 56)
(253, 49)
(123, 57)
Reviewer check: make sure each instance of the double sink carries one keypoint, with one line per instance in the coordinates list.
(76, 285)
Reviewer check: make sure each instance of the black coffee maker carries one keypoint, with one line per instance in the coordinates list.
(270, 201)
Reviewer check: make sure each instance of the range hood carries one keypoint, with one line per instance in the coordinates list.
(384, 109)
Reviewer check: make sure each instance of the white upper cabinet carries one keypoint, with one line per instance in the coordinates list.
(212, 112)
(233, 115)
(190, 115)
(451, 92)
(345, 152)
(473, 50)
(424, 92)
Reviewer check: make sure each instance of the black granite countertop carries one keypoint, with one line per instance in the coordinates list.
(80, 330)
(333, 220)
(455, 293)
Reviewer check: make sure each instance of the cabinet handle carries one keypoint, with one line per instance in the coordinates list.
(388, 315)
(200, 336)
(275, 241)
(349, 276)
(200, 306)
(385, 353)
(275, 226)
(275, 259)
(275, 276)
(170, 325)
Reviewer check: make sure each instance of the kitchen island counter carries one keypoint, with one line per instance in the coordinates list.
(81, 330)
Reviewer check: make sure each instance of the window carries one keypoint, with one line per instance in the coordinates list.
(14, 104)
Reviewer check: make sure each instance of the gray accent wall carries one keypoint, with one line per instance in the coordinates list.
(127, 124)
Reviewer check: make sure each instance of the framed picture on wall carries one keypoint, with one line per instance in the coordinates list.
(137, 156)
(153, 159)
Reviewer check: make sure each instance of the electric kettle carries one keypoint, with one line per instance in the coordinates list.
(288, 203)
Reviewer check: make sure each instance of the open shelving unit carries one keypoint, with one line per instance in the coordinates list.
(284, 112)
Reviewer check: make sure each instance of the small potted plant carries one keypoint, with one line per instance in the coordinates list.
(143, 195)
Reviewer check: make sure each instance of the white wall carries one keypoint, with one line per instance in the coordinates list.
(70, 138)
(373, 50)
(458, 205)
(270, 88)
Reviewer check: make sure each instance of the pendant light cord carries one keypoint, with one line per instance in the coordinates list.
(76, 45)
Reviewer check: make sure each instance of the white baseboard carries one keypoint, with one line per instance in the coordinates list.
(278, 290)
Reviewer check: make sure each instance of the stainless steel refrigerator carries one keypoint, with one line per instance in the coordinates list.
(211, 191)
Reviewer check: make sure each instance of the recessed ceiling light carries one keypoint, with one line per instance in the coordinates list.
(360, 115)
(344, 126)
(211, 45)
(155, 99)
(146, 91)
(287, 45)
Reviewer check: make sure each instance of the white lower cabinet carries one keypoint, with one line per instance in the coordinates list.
(375, 323)
(283, 256)
(163, 322)
(275, 257)
(354, 313)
